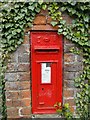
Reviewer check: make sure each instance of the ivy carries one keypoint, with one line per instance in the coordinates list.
(16, 16)
(78, 32)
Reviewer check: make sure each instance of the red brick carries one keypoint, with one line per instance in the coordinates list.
(68, 47)
(16, 103)
(24, 94)
(12, 95)
(72, 109)
(49, 19)
(24, 58)
(13, 57)
(44, 12)
(66, 41)
(69, 75)
(24, 76)
(26, 39)
(11, 85)
(9, 103)
(11, 67)
(69, 84)
(69, 57)
(43, 27)
(67, 18)
(17, 117)
(68, 93)
(25, 111)
(23, 85)
(23, 49)
(40, 20)
(11, 77)
(70, 101)
(12, 112)
(73, 67)
(25, 102)
(24, 67)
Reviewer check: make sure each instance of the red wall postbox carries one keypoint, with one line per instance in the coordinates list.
(46, 58)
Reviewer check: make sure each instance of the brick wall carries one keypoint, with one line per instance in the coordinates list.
(18, 75)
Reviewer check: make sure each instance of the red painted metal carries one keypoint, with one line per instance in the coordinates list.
(46, 47)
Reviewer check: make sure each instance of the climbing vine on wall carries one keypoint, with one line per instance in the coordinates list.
(16, 16)
(78, 32)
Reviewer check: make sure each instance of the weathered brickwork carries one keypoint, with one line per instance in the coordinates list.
(18, 75)
(18, 93)
(72, 68)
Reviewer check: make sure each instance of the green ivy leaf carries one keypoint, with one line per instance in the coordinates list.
(64, 33)
(54, 23)
(63, 22)
(37, 10)
(77, 34)
(18, 30)
(7, 25)
(14, 32)
(40, 2)
(66, 105)
(59, 111)
(16, 6)
(31, 8)
(86, 18)
(19, 42)
(78, 95)
(60, 30)
(63, 8)
(9, 36)
(44, 7)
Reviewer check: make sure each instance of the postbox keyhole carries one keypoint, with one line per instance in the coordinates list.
(42, 88)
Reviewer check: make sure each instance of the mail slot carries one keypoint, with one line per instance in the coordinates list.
(46, 57)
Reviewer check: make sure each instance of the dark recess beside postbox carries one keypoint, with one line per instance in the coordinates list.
(46, 59)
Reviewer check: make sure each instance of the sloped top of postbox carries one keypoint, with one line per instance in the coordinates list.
(45, 40)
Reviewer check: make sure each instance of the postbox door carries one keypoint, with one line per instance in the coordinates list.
(46, 74)
(47, 95)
